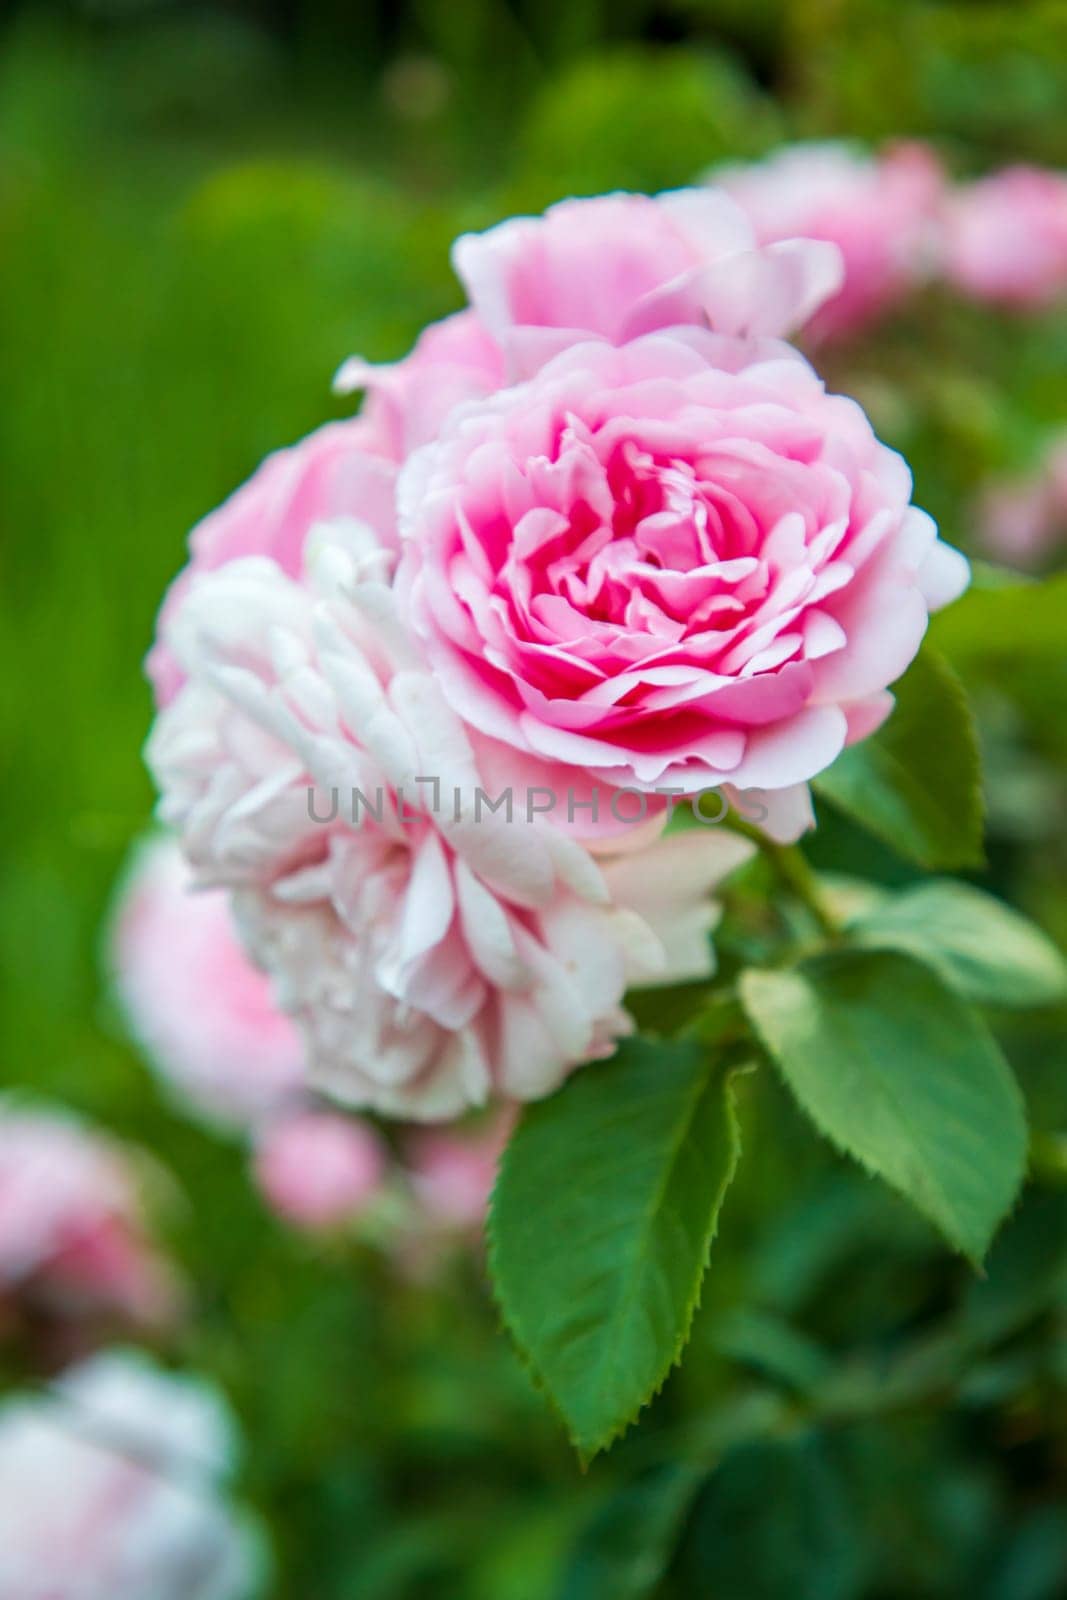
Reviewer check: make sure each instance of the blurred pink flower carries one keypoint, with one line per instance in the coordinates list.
(111, 1488)
(453, 1173)
(881, 211)
(73, 1236)
(1023, 520)
(431, 955)
(1005, 237)
(318, 1169)
(675, 564)
(201, 1011)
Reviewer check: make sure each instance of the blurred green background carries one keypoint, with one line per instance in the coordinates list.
(203, 209)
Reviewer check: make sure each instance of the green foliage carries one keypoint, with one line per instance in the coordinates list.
(978, 945)
(916, 783)
(901, 1075)
(601, 1223)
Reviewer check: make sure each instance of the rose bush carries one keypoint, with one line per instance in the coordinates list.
(659, 560)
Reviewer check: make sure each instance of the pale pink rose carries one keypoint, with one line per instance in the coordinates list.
(1023, 520)
(614, 266)
(203, 1014)
(679, 563)
(432, 955)
(73, 1233)
(112, 1487)
(621, 265)
(1004, 238)
(345, 469)
(881, 212)
(317, 1169)
(453, 1173)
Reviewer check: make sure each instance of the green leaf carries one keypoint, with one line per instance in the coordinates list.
(981, 947)
(896, 1071)
(916, 783)
(601, 1222)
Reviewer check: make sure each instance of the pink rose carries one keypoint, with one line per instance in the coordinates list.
(880, 211)
(203, 1014)
(73, 1235)
(112, 1488)
(317, 1169)
(613, 267)
(345, 469)
(675, 564)
(432, 955)
(1005, 237)
(625, 264)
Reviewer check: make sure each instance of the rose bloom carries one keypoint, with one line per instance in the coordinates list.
(319, 1170)
(1004, 238)
(431, 955)
(611, 266)
(111, 1489)
(881, 211)
(203, 1014)
(73, 1236)
(614, 267)
(675, 564)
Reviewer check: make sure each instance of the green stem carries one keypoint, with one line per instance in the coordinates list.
(794, 873)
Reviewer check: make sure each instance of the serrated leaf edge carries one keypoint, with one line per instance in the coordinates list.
(975, 1261)
(588, 1450)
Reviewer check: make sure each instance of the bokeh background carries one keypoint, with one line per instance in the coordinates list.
(203, 209)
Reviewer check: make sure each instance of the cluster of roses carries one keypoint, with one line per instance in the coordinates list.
(603, 530)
